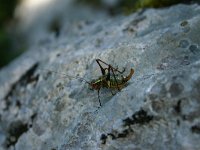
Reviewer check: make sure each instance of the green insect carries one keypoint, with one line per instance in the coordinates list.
(111, 78)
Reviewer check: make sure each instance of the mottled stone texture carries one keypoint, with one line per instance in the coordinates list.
(158, 109)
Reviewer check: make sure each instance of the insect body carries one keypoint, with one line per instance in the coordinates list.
(110, 79)
(112, 83)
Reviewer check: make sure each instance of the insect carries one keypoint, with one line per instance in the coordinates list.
(111, 78)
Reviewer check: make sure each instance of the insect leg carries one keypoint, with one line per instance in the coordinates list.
(115, 69)
(99, 98)
(111, 68)
(108, 79)
(102, 69)
(99, 60)
(121, 71)
(108, 74)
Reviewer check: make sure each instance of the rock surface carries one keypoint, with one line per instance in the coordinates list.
(158, 109)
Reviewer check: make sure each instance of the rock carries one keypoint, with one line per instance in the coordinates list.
(158, 109)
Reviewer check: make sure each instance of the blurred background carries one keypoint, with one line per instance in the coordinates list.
(26, 23)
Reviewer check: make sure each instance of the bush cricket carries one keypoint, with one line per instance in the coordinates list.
(111, 78)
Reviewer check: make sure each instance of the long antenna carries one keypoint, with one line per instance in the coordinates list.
(66, 75)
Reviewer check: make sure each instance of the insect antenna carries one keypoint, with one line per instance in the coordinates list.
(66, 75)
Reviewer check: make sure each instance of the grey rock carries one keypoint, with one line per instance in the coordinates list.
(158, 109)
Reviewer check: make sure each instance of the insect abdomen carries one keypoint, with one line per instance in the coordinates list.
(116, 84)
